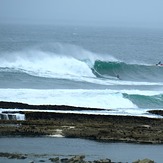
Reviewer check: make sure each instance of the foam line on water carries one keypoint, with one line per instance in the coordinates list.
(106, 99)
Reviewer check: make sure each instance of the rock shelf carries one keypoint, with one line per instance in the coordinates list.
(96, 127)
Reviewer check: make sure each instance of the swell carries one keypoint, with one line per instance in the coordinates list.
(127, 71)
(145, 101)
(77, 65)
(10, 78)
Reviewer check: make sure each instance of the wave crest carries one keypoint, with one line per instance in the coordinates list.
(127, 71)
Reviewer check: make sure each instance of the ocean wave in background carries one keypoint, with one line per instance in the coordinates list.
(80, 65)
(132, 102)
(100, 68)
(129, 71)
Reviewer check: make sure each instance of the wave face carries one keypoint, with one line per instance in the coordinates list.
(72, 63)
(127, 71)
(145, 101)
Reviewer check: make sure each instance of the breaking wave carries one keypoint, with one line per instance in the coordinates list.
(127, 71)
(74, 63)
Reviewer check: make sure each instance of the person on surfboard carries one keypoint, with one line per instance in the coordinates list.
(159, 64)
(118, 76)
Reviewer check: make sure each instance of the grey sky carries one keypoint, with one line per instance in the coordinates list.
(104, 12)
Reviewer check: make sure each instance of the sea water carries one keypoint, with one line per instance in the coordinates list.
(44, 148)
(100, 67)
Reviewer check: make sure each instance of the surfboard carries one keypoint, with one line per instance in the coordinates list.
(159, 64)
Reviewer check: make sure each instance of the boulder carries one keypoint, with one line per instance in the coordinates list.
(64, 160)
(31, 162)
(102, 161)
(77, 159)
(56, 159)
(144, 161)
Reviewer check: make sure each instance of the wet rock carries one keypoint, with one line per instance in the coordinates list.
(31, 161)
(157, 112)
(56, 159)
(16, 156)
(102, 161)
(76, 159)
(8, 105)
(144, 161)
(64, 160)
(11, 117)
(12, 155)
(4, 117)
(95, 127)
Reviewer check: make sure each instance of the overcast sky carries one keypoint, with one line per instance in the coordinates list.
(100, 12)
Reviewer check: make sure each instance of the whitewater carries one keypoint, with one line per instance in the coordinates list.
(102, 68)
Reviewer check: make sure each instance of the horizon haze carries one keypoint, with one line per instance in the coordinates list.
(126, 13)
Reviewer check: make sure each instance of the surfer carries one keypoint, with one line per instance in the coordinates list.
(159, 64)
(118, 76)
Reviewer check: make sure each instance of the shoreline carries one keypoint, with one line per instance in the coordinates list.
(109, 128)
(102, 128)
(61, 159)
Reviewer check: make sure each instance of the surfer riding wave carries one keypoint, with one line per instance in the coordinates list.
(159, 64)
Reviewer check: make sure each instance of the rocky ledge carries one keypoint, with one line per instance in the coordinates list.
(11, 105)
(74, 159)
(157, 112)
(96, 127)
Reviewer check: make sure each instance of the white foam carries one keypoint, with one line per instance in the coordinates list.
(56, 136)
(46, 64)
(71, 62)
(20, 116)
(68, 61)
(106, 99)
(140, 92)
(122, 111)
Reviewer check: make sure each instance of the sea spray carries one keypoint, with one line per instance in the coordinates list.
(106, 99)
(87, 67)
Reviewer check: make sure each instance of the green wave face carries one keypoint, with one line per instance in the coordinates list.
(143, 101)
(132, 72)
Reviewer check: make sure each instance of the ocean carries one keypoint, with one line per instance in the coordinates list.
(97, 67)
(43, 148)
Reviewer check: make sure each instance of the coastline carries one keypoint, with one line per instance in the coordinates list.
(60, 159)
(109, 128)
(101, 128)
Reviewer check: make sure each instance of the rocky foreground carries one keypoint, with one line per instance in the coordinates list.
(96, 127)
(72, 159)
